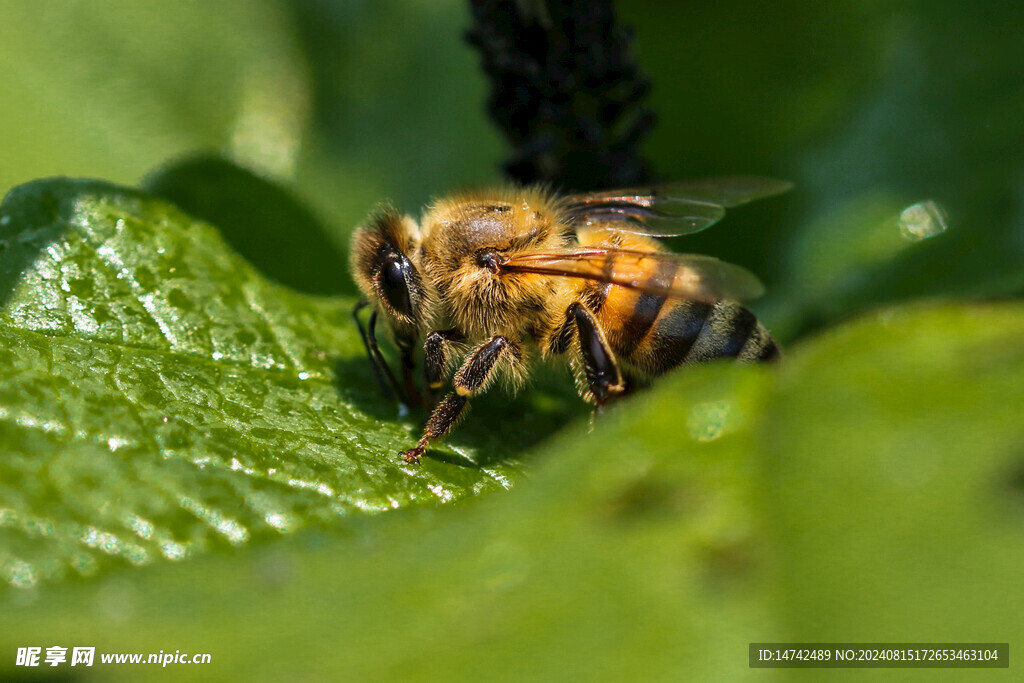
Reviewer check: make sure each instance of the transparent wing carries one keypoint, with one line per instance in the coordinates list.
(688, 276)
(680, 208)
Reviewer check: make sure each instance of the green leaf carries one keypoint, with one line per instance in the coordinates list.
(159, 397)
(818, 500)
(893, 479)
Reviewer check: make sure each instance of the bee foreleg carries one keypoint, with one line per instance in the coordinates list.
(604, 378)
(381, 370)
(435, 358)
(472, 377)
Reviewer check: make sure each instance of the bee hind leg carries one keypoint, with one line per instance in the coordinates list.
(473, 376)
(604, 377)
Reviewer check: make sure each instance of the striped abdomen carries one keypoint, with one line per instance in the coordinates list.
(653, 334)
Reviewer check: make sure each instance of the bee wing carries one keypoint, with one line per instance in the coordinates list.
(665, 273)
(680, 208)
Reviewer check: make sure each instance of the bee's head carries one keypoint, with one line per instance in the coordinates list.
(382, 264)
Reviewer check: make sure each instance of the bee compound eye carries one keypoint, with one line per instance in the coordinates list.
(394, 284)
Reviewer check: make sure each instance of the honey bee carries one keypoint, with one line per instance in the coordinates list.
(502, 277)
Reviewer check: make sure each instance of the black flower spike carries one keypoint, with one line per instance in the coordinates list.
(565, 91)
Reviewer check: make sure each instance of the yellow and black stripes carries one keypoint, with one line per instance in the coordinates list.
(647, 306)
(617, 332)
(731, 331)
(694, 332)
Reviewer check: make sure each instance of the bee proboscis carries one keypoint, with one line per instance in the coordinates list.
(516, 273)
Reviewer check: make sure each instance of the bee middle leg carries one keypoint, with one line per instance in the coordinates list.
(435, 358)
(472, 377)
(604, 378)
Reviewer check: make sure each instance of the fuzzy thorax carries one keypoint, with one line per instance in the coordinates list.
(465, 239)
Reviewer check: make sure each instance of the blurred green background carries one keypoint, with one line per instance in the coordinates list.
(838, 507)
